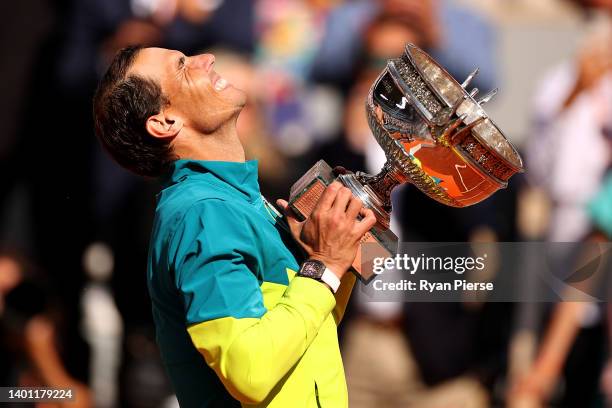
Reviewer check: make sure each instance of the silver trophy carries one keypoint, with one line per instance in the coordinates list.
(435, 135)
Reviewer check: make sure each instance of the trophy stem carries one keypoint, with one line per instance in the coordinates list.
(383, 183)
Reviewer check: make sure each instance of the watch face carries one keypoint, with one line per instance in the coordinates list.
(312, 269)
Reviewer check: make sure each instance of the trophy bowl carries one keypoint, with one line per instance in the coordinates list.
(435, 135)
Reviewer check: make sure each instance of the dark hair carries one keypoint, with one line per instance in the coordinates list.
(122, 104)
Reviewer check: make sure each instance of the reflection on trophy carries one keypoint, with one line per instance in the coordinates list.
(435, 135)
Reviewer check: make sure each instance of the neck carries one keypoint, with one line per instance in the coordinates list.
(221, 145)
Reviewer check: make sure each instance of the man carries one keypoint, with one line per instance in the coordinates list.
(235, 324)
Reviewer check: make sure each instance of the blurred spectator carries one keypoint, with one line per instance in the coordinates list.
(573, 337)
(600, 210)
(32, 350)
(457, 37)
(568, 155)
(289, 33)
(102, 325)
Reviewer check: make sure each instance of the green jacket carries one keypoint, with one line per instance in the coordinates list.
(233, 323)
(600, 207)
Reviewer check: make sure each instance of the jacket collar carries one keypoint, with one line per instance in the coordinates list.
(238, 176)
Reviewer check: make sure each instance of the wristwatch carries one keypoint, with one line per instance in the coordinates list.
(317, 270)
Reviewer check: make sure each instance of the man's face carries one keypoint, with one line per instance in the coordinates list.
(197, 94)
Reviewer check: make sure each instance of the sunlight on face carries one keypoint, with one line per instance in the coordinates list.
(195, 91)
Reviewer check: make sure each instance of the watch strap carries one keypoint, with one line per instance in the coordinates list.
(315, 269)
(330, 279)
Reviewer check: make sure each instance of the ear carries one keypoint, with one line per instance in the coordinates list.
(164, 125)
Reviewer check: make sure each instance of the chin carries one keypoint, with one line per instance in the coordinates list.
(239, 97)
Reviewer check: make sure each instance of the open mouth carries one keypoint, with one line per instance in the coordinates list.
(219, 83)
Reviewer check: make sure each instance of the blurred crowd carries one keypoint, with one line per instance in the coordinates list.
(74, 310)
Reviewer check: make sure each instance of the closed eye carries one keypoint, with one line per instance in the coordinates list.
(181, 63)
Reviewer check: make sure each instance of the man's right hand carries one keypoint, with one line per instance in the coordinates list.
(332, 232)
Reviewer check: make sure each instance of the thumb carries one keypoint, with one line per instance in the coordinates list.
(289, 214)
(283, 204)
(295, 226)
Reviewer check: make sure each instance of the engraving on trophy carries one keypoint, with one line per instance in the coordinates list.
(435, 135)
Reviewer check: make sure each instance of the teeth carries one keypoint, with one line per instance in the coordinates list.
(220, 84)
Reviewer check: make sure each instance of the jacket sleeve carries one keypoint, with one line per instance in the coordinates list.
(225, 314)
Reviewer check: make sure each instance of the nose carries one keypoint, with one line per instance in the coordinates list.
(206, 61)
